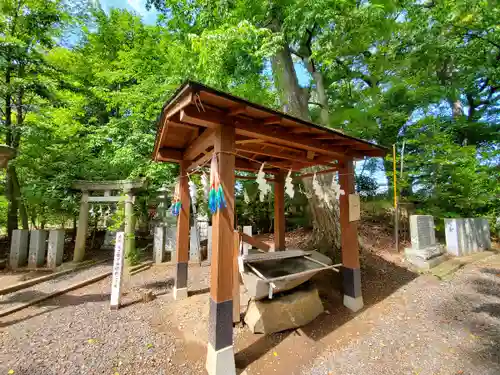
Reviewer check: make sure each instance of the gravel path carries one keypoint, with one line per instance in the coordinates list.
(11, 300)
(427, 327)
(78, 334)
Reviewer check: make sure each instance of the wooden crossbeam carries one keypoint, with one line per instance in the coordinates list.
(180, 105)
(270, 150)
(175, 124)
(248, 140)
(325, 171)
(200, 144)
(254, 242)
(237, 110)
(272, 120)
(169, 154)
(300, 130)
(253, 129)
(281, 136)
(280, 147)
(191, 115)
(204, 159)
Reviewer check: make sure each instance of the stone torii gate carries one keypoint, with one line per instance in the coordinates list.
(199, 121)
(109, 190)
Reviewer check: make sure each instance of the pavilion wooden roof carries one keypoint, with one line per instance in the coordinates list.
(187, 125)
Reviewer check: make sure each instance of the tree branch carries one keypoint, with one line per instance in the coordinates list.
(295, 52)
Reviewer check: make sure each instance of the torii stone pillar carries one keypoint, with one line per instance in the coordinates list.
(81, 232)
(129, 222)
(351, 273)
(220, 354)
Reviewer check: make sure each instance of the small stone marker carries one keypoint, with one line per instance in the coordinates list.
(19, 248)
(109, 240)
(465, 236)
(247, 229)
(37, 248)
(194, 245)
(116, 283)
(424, 253)
(159, 244)
(55, 248)
(171, 240)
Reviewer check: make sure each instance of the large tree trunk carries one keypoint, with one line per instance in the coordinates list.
(10, 190)
(12, 218)
(320, 90)
(16, 139)
(293, 98)
(18, 196)
(326, 230)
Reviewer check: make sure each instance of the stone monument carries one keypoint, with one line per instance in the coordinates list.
(55, 249)
(37, 248)
(424, 252)
(194, 245)
(159, 244)
(19, 248)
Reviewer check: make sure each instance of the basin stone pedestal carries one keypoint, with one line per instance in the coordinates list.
(424, 252)
(291, 310)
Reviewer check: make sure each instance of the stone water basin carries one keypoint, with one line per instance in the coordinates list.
(258, 288)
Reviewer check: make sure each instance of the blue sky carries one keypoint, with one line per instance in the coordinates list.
(138, 6)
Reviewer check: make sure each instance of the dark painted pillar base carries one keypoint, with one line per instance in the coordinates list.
(351, 284)
(180, 287)
(220, 353)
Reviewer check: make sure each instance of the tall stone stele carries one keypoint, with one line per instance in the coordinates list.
(424, 252)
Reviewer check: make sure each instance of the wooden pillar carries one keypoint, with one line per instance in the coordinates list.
(129, 224)
(81, 231)
(220, 355)
(182, 241)
(351, 274)
(236, 278)
(279, 212)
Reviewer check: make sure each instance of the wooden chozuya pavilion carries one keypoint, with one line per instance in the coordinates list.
(198, 121)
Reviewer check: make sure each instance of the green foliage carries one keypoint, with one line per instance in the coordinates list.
(426, 73)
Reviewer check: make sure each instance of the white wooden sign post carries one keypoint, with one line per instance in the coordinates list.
(116, 283)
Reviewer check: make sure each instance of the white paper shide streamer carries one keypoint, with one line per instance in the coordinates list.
(289, 185)
(246, 198)
(263, 185)
(193, 191)
(204, 183)
(327, 197)
(336, 189)
(318, 189)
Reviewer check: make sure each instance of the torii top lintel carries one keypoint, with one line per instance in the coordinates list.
(187, 124)
(125, 185)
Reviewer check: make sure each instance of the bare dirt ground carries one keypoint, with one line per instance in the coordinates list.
(411, 325)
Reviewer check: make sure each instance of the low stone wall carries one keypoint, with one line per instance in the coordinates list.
(466, 236)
